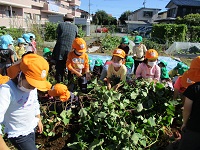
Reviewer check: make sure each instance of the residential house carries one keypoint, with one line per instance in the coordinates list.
(142, 17)
(162, 18)
(180, 8)
(24, 13)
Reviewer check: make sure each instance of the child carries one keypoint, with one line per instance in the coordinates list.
(60, 91)
(6, 54)
(47, 54)
(29, 47)
(164, 73)
(33, 42)
(98, 67)
(129, 64)
(149, 69)
(19, 106)
(104, 70)
(164, 77)
(116, 70)
(178, 70)
(188, 78)
(139, 51)
(124, 44)
(20, 49)
(77, 63)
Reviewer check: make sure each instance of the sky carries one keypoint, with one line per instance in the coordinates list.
(117, 7)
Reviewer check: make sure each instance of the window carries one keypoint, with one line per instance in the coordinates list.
(8, 13)
(36, 17)
(147, 14)
(171, 12)
(27, 15)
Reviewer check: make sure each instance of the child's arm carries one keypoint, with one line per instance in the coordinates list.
(138, 72)
(157, 74)
(108, 84)
(108, 77)
(3, 144)
(87, 67)
(70, 68)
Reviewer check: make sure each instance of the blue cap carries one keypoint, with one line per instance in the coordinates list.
(21, 40)
(26, 37)
(31, 34)
(5, 40)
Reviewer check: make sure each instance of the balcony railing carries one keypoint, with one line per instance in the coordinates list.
(37, 3)
(75, 2)
(55, 9)
(19, 22)
(17, 3)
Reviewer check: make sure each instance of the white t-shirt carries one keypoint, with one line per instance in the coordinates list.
(18, 110)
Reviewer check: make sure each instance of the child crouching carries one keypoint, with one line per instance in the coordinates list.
(116, 70)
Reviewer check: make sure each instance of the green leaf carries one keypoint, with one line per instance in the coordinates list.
(59, 119)
(102, 115)
(143, 143)
(110, 100)
(63, 114)
(151, 121)
(96, 143)
(53, 112)
(144, 93)
(65, 121)
(159, 85)
(135, 138)
(139, 107)
(132, 126)
(122, 106)
(82, 112)
(134, 95)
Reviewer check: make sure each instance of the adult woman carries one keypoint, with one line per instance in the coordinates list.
(19, 107)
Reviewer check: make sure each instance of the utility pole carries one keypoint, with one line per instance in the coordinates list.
(89, 7)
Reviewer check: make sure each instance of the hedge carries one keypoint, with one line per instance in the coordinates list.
(170, 32)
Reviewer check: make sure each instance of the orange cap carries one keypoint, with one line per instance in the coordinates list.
(60, 90)
(151, 54)
(35, 69)
(79, 44)
(190, 77)
(195, 63)
(193, 74)
(119, 52)
(4, 79)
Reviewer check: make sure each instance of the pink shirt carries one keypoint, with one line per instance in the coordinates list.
(145, 72)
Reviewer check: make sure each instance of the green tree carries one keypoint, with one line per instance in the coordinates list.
(189, 20)
(124, 16)
(100, 17)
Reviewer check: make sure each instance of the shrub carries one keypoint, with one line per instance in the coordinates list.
(50, 31)
(194, 33)
(170, 32)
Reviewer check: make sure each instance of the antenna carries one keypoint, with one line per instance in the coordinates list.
(144, 3)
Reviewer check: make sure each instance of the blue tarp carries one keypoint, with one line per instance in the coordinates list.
(171, 63)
